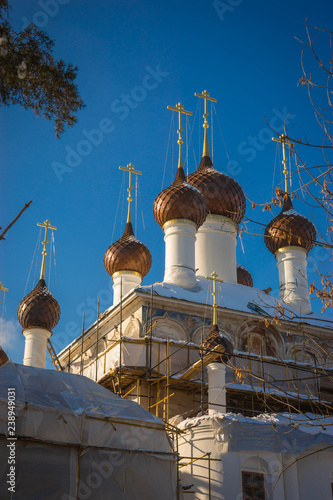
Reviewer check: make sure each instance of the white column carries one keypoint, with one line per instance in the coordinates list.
(179, 237)
(217, 400)
(123, 283)
(35, 346)
(291, 263)
(215, 248)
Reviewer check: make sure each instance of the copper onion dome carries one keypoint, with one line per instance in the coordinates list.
(289, 229)
(39, 308)
(213, 339)
(128, 254)
(243, 276)
(180, 201)
(223, 195)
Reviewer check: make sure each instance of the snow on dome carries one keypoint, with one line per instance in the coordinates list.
(128, 254)
(223, 195)
(289, 229)
(213, 339)
(243, 276)
(39, 308)
(180, 201)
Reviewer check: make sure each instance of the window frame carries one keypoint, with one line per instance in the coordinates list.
(253, 473)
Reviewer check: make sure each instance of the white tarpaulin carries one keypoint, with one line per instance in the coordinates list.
(76, 440)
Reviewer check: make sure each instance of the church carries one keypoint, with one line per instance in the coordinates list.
(241, 379)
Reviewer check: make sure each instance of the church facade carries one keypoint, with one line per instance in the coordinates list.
(242, 381)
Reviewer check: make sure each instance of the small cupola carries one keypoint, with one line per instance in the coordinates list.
(180, 209)
(38, 314)
(127, 260)
(217, 237)
(290, 237)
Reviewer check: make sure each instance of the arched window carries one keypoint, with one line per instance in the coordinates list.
(263, 340)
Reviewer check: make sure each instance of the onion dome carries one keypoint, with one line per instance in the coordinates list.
(213, 339)
(3, 357)
(128, 254)
(39, 308)
(243, 276)
(223, 195)
(180, 201)
(289, 229)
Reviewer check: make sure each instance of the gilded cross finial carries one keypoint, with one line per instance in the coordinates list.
(180, 109)
(47, 226)
(130, 170)
(3, 288)
(283, 139)
(214, 278)
(206, 97)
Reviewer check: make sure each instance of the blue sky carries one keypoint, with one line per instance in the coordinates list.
(134, 59)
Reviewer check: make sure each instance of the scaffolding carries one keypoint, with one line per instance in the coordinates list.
(164, 374)
(168, 378)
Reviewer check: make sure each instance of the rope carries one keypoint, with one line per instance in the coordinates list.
(186, 142)
(50, 260)
(122, 204)
(167, 151)
(3, 321)
(172, 149)
(199, 125)
(136, 204)
(55, 264)
(143, 221)
(190, 140)
(290, 173)
(273, 182)
(33, 258)
(120, 192)
(211, 131)
(218, 122)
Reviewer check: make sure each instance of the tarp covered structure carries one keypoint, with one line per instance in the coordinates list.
(77, 440)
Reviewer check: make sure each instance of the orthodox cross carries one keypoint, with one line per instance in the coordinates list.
(47, 226)
(206, 97)
(180, 109)
(3, 288)
(130, 170)
(214, 278)
(283, 139)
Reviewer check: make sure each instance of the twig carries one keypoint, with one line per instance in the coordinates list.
(10, 225)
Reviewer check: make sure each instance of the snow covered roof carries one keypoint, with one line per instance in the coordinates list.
(61, 391)
(239, 298)
(278, 432)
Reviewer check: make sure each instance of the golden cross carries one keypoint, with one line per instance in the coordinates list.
(47, 226)
(283, 139)
(206, 97)
(180, 109)
(214, 279)
(3, 288)
(130, 170)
